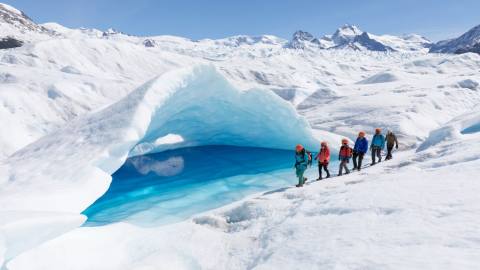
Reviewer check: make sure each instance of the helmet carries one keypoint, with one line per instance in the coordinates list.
(344, 141)
(361, 134)
(378, 130)
(299, 147)
(323, 143)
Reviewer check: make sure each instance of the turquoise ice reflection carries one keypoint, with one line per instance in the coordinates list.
(174, 185)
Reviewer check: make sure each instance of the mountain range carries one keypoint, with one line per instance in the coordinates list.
(17, 28)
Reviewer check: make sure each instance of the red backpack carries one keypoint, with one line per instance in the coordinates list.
(345, 151)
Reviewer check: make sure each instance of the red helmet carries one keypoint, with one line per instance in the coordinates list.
(299, 147)
(361, 134)
(345, 141)
(323, 143)
(378, 130)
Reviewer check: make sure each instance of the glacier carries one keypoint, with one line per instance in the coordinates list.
(85, 153)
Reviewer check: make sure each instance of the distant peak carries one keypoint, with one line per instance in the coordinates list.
(19, 20)
(302, 35)
(112, 31)
(349, 30)
(10, 9)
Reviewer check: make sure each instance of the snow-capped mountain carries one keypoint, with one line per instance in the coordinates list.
(346, 34)
(302, 40)
(15, 23)
(468, 42)
(364, 41)
(351, 37)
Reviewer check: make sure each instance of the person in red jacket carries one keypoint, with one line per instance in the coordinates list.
(344, 157)
(323, 158)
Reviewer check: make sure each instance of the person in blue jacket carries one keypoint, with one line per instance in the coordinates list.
(302, 158)
(359, 150)
(377, 145)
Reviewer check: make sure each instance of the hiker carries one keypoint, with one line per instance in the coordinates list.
(323, 158)
(391, 140)
(359, 150)
(344, 157)
(302, 159)
(377, 145)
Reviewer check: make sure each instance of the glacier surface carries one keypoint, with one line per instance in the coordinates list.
(74, 117)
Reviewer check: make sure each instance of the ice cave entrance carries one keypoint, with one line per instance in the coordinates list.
(171, 186)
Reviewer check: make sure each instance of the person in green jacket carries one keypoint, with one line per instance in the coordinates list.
(302, 159)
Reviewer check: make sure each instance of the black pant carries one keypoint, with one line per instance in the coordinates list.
(376, 152)
(343, 165)
(325, 167)
(389, 151)
(360, 159)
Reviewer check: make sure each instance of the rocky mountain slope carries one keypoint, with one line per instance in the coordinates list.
(468, 42)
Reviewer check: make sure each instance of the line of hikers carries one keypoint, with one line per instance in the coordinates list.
(303, 158)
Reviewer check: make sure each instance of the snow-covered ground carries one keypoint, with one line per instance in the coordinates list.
(78, 102)
(419, 211)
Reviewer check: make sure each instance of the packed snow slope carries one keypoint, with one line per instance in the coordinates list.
(72, 113)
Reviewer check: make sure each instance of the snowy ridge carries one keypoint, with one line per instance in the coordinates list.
(468, 42)
(351, 37)
(15, 23)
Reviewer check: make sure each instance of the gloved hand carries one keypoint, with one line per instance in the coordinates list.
(396, 147)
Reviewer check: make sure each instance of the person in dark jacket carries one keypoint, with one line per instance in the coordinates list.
(359, 150)
(377, 145)
(391, 141)
(344, 156)
(302, 158)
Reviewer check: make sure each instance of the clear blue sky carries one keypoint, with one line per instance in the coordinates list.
(435, 19)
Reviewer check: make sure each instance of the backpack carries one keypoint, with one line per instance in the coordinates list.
(310, 159)
(346, 151)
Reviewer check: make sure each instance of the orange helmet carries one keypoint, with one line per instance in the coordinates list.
(361, 134)
(344, 141)
(299, 147)
(378, 130)
(323, 144)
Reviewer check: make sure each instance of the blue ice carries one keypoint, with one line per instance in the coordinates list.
(472, 129)
(171, 186)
